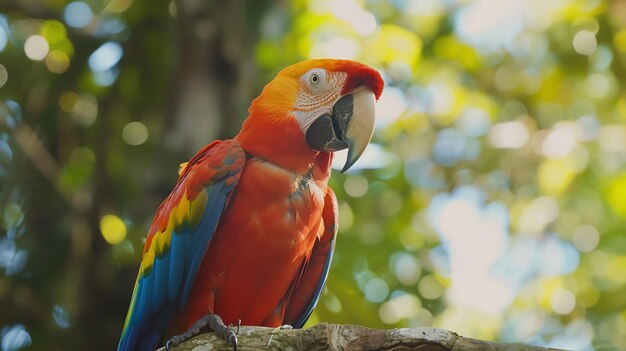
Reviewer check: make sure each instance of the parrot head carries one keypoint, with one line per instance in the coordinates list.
(320, 105)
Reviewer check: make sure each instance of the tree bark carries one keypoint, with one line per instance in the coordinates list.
(349, 337)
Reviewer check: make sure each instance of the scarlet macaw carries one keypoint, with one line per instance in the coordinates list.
(248, 232)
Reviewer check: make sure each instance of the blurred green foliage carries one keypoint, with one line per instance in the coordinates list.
(492, 203)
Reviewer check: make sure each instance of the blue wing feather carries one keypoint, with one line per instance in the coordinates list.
(203, 234)
(146, 297)
(177, 261)
(159, 292)
(166, 287)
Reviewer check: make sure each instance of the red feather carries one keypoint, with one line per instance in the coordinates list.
(360, 74)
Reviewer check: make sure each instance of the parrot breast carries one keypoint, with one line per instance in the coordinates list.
(261, 244)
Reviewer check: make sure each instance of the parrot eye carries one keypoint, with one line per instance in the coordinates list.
(314, 79)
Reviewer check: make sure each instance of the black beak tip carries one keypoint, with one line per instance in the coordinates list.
(350, 160)
(346, 167)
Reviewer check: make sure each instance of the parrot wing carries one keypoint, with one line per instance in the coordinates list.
(178, 239)
(308, 289)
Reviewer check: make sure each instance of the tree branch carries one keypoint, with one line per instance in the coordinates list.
(349, 337)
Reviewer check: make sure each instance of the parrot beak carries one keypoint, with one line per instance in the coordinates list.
(350, 125)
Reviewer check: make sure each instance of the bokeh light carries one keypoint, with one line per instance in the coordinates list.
(405, 306)
(356, 186)
(585, 42)
(61, 317)
(429, 287)
(36, 47)
(563, 301)
(4, 76)
(586, 238)
(4, 32)
(350, 11)
(14, 338)
(84, 109)
(105, 57)
(510, 135)
(77, 14)
(135, 133)
(57, 61)
(406, 269)
(376, 290)
(113, 229)
(390, 107)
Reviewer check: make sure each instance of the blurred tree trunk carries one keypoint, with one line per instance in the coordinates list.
(350, 337)
(214, 82)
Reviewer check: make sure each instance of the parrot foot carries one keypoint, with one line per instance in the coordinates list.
(285, 327)
(212, 322)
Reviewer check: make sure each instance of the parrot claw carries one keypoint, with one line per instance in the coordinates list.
(285, 327)
(238, 326)
(169, 344)
(212, 322)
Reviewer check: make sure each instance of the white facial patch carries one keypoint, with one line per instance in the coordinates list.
(318, 90)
